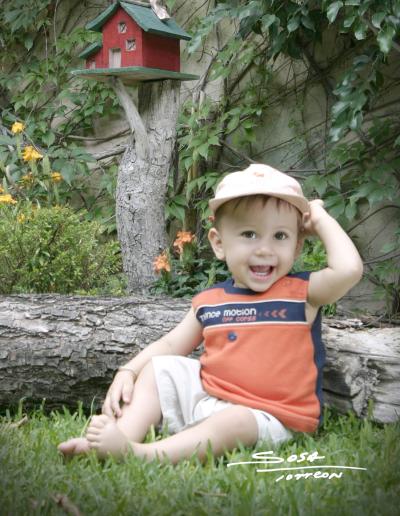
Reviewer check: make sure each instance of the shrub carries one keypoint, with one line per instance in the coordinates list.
(52, 250)
(186, 269)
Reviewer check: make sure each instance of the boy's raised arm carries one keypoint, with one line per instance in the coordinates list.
(345, 266)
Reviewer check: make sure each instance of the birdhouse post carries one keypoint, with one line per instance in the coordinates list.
(140, 49)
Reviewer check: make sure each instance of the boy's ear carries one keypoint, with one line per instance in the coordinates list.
(216, 243)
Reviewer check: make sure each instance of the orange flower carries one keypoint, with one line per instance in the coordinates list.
(182, 238)
(161, 263)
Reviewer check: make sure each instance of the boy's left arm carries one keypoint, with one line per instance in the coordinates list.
(345, 266)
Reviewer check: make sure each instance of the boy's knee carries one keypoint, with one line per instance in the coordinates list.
(241, 422)
(242, 416)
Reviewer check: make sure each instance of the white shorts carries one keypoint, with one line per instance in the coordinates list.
(184, 402)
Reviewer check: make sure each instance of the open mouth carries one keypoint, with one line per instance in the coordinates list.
(261, 271)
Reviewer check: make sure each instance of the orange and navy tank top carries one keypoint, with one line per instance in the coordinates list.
(259, 350)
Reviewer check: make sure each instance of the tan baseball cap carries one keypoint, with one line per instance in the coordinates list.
(259, 179)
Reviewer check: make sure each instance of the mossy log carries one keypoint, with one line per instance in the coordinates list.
(66, 349)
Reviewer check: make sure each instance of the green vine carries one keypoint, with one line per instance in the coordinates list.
(355, 161)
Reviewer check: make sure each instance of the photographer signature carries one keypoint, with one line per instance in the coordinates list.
(267, 457)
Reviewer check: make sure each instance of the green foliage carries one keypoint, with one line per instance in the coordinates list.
(313, 258)
(52, 250)
(358, 157)
(57, 111)
(192, 269)
(35, 474)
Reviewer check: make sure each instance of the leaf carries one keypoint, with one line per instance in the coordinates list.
(318, 183)
(335, 132)
(213, 140)
(333, 10)
(339, 107)
(176, 211)
(308, 23)
(233, 123)
(335, 205)
(67, 171)
(203, 150)
(46, 165)
(28, 42)
(6, 140)
(361, 60)
(267, 20)
(49, 138)
(360, 30)
(385, 39)
(348, 22)
(377, 19)
(396, 8)
(293, 24)
(351, 211)
(389, 247)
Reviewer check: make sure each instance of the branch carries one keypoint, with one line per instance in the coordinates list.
(371, 214)
(124, 132)
(110, 153)
(133, 117)
(241, 155)
(382, 258)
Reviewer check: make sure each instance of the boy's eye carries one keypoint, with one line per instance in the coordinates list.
(280, 235)
(249, 234)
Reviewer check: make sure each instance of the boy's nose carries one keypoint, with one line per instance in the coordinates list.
(263, 249)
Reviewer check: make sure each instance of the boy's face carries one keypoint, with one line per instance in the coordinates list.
(258, 240)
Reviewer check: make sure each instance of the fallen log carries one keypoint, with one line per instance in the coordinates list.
(66, 350)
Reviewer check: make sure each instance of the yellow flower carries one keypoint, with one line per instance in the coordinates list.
(27, 179)
(31, 154)
(1, 189)
(56, 177)
(17, 127)
(161, 263)
(21, 218)
(7, 199)
(182, 238)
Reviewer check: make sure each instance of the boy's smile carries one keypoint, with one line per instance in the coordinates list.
(258, 240)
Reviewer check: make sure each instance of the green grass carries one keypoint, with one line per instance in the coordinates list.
(32, 473)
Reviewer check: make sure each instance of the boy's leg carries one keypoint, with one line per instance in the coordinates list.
(144, 410)
(137, 416)
(222, 430)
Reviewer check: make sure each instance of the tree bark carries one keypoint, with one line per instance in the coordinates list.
(143, 176)
(66, 349)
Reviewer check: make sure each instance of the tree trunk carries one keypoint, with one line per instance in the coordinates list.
(66, 349)
(142, 179)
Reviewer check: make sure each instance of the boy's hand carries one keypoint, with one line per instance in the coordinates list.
(313, 217)
(121, 389)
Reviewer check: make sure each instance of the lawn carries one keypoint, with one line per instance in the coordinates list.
(35, 480)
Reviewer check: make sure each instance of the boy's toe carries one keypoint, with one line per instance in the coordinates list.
(75, 446)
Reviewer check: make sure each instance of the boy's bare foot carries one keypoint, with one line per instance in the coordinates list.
(75, 446)
(106, 438)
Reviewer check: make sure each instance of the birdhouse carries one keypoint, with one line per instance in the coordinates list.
(136, 45)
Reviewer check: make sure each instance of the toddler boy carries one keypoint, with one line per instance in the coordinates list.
(260, 375)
